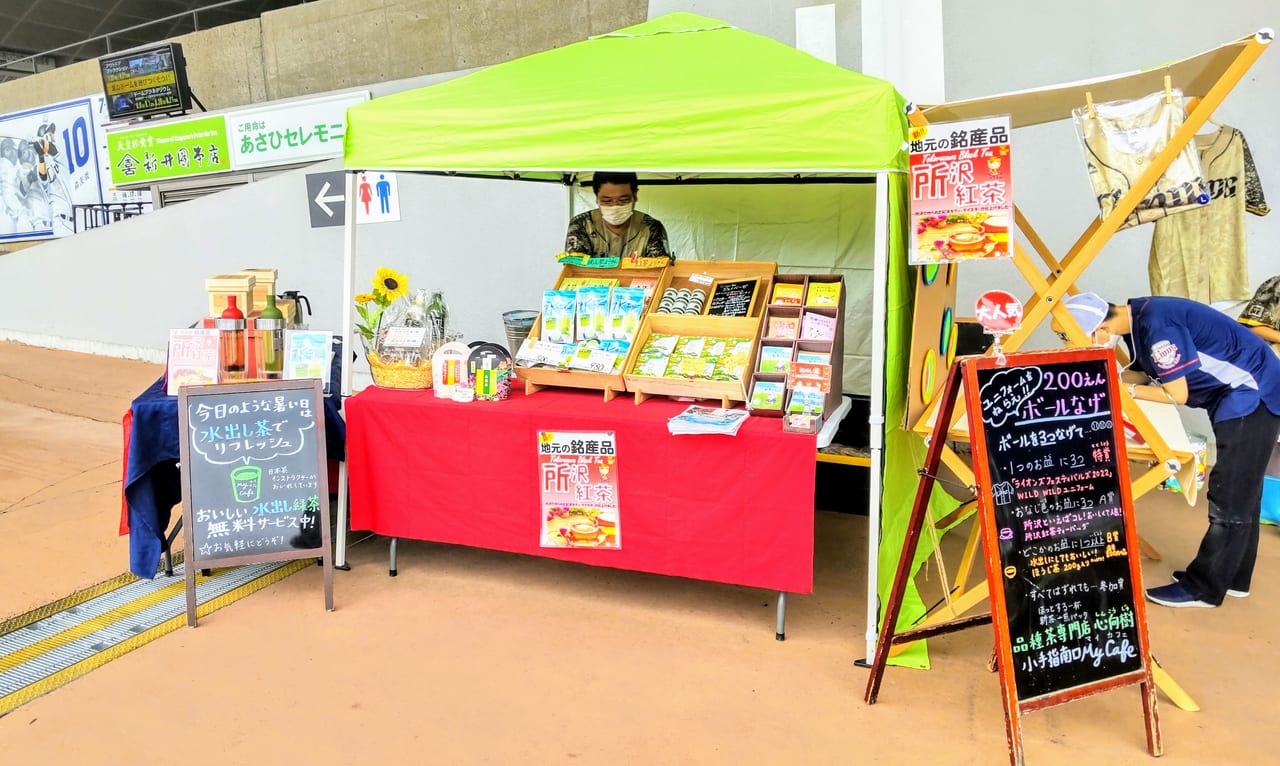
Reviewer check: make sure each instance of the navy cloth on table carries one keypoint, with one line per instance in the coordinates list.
(152, 483)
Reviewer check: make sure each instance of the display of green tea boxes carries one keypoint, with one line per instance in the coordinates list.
(693, 357)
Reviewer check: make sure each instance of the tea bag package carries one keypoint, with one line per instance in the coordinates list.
(593, 311)
(625, 308)
(557, 315)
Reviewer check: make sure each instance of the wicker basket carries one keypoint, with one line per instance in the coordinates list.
(400, 374)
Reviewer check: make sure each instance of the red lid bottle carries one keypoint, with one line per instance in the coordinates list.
(231, 341)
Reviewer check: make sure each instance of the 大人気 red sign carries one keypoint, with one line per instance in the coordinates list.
(998, 311)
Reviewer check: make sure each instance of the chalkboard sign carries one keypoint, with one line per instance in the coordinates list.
(1057, 514)
(733, 298)
(255, 484)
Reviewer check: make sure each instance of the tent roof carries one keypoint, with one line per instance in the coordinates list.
(1194, 76)
(678, 95)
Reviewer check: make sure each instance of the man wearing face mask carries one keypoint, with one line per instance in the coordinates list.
(1203, 358)
(614, 228)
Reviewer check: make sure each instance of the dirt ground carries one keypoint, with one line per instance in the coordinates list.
(478, 657)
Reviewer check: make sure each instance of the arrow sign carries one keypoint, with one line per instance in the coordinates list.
(325, 196)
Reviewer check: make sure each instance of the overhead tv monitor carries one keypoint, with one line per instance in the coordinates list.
(145, 81)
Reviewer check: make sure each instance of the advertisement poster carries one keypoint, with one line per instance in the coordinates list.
(578, 480)
(48, 164)
(961, 199)
(193, 358)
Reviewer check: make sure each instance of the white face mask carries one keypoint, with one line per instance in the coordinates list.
(1113, 340)
(616, 215)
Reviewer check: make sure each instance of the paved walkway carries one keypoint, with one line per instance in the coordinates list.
(472, 657)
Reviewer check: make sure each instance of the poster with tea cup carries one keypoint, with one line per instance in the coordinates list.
(961, 197)
(578, 485)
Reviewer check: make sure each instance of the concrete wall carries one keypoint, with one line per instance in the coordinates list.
(119, 289)
(317, 46)
(1037, 44)
(777, 19)
(337, 44)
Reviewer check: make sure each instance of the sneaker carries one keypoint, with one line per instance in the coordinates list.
(1178, 574)
(1176, 596)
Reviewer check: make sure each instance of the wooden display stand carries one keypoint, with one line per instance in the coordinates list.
(727, 391)
(537, 378)
(833, 347)
(704, 275)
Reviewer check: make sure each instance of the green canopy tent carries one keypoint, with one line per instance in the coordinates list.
(680, 99)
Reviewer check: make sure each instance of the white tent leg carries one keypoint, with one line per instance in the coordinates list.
(879, 311)
(344, 364)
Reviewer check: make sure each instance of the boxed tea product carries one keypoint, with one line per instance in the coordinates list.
(732, 363)
(767, 395)
(654, 355)
(775, 359)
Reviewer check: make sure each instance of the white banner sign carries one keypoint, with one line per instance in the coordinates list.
(302, 131)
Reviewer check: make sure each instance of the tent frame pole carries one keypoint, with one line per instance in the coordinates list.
(344, 364)
(875, 419)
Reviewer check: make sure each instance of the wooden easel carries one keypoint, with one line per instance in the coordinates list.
(1015, 566)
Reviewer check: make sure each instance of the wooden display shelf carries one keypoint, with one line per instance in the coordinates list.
(611, 384)
(833, 347)
(727, 391)
(704, 274)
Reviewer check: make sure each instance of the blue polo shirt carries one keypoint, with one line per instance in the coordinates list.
(1228, 369)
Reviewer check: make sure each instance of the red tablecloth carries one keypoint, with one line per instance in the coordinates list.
(734, 509)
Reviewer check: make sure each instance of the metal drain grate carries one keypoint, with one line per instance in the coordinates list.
(40, 652)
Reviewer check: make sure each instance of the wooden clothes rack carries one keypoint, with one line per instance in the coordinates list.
(1206, 79)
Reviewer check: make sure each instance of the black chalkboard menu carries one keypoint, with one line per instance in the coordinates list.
(1062, 556)
(732, 298)
(255, 484)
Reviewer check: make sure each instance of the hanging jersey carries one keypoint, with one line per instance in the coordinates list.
(1228, 369)
(1203, 254)
(1120, 139)
(1263, 310)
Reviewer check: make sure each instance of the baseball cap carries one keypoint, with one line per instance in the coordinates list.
(1088, 309)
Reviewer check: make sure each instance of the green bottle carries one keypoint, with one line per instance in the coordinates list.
(270, 325)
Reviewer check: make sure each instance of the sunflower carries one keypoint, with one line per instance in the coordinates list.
(363, 298)
(392, 284)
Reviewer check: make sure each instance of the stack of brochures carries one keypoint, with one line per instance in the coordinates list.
(707, 420)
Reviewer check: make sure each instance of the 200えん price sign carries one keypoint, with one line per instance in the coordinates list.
(1058, 513)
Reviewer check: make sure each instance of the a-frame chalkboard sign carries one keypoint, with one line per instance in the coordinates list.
(1057, 528)
(255, 484)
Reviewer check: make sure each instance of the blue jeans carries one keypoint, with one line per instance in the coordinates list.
(1230, 546)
